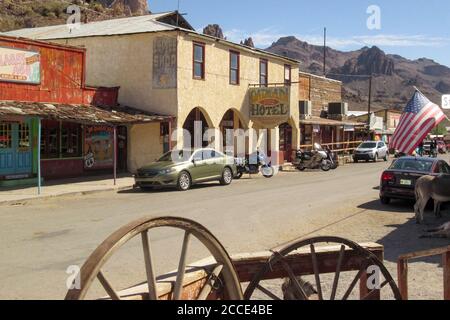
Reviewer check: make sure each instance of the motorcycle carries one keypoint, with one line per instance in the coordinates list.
(257, 165)
(332, 157)
(318, 158)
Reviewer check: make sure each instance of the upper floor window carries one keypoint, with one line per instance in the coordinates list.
(199, 61)
(287, 75)
(263, 72)
(234, 67)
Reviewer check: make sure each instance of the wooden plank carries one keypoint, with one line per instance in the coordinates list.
(425, 253)
(402, 275)
(446, 266)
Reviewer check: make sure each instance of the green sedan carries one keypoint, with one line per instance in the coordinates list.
(184, 168)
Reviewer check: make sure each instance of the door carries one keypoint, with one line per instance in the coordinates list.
(286, 141)
(7, 152)
(199, 167)
(122, 138)
(15, 148)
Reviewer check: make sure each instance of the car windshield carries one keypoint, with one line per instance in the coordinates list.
(412, 165)
(368, 145)
(174, 156)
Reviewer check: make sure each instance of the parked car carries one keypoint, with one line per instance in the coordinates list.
(371, 151)
(398, 182)
(184, 168)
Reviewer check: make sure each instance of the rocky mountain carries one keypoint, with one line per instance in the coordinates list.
(394, 77)
(213, 30)
(16, 14)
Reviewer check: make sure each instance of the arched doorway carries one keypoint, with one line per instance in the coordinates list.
(231, 122)
(196, 121)
(285, 131)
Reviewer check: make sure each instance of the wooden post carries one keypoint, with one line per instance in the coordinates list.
(446, 266)
(363, 289)
(402, 274)
(115, 155)
(170, 135)
(39, 174)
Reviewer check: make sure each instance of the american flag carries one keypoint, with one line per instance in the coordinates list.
(419, 118)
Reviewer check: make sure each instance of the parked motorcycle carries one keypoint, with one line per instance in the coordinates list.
(254, 164)
(332, 157)
(318, 158)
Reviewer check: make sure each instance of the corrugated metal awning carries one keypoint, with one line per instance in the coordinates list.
(87, 114)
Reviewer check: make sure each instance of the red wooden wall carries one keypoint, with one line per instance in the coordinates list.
(62, 77)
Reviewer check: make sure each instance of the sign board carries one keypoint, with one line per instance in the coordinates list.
(446, 101)
(269, 103)
(20, 66)
(99, 147)
(348, 128)
(164, 63)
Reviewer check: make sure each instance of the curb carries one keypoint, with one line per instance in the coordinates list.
(52, 196)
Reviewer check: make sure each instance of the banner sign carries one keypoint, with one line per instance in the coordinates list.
(99, 147)
(20, 66)
(164, 63)
(268, 103)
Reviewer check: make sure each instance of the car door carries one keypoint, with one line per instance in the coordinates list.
(198, 169)
(382, 149)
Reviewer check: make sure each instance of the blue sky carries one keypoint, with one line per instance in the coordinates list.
(413, 29)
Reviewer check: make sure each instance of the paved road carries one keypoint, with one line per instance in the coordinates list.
(40, 240)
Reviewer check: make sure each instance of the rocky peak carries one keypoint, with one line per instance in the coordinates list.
(248, 42)
(129, 7)
(370, 61)
(214, 30)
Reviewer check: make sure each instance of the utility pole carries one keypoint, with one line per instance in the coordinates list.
(369, 106)
(324, 51)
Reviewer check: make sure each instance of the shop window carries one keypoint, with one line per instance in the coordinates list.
(50, 140)
(5, 136)
(199, 61)
(287, 75)
(70, 140)
(60, 140)
(24, 136)
(263, 72)
(234, 67)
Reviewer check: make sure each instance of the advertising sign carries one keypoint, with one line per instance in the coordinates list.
(20, 66)
(269, 103)
(164, 63)
(99, 147)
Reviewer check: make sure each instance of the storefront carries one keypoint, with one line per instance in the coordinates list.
(75, 140)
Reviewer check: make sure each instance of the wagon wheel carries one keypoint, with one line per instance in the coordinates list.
(223, 271)
(279, 257)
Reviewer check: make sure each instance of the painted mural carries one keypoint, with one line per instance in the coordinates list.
(99, 147)
(164, 63)
(20, 66)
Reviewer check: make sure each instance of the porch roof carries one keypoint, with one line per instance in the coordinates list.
(87, 114)
(329, 122)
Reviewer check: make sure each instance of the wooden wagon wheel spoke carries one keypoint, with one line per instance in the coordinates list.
(211, 282)
(267, 292)
(338, 273)
(107, 286)
(316, 271)
(294, 279)
(181, 267)
(150, 270)
(355, 280)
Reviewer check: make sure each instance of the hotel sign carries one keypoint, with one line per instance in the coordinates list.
(20, 66)
(269, 103)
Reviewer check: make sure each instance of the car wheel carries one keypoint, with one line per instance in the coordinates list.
(385, 200)
(386, 157)
(376, 158)
(146, 189)
(227, 177)
(355, 160)
(184, 181)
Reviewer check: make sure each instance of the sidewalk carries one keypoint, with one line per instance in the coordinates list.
(85, 185)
